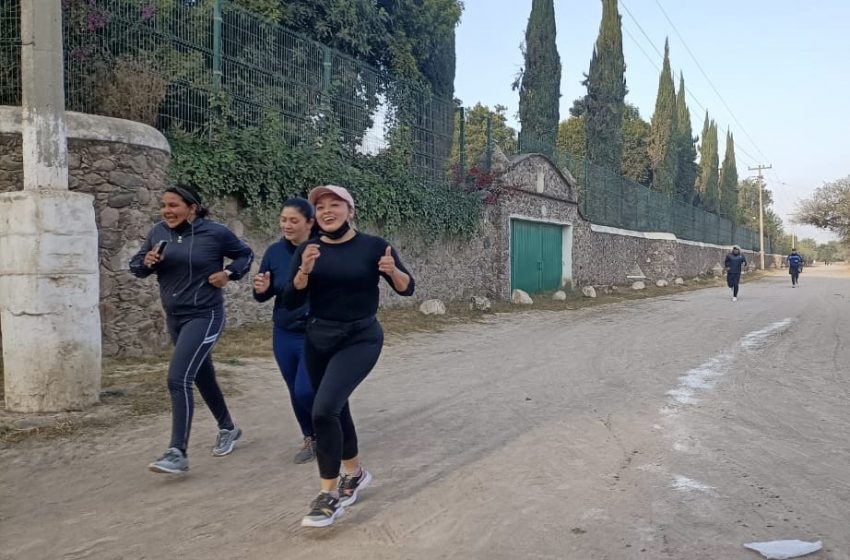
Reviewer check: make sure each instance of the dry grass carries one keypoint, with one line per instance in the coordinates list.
(134, 387)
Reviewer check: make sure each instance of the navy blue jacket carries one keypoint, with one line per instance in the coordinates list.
(734, 263)
(194, 252)
(795, 262)
(276, 260)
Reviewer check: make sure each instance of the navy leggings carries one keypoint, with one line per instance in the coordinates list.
(335, 373)
(732, 280)
(194, 338)
(289, 353)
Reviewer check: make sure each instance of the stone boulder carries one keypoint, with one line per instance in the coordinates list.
(638, 286)
(479, 303)
(589, 291)
(679, 281)
(560, 295)
(662, 283)
(432, 307)
(521, 298)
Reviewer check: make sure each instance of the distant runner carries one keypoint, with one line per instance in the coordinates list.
(733, 265)
(795, 267)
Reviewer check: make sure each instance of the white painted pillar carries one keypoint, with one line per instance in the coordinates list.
(49, 271)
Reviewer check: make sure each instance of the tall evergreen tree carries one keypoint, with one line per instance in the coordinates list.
(539, 83)
(663, 152)
(606, 92)
(729, 181)
(636, 134)
(709, 160)
(687, 168)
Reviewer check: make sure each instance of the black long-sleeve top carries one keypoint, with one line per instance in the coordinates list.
(343, 285)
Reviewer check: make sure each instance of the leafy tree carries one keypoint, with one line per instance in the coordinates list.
(748, 212)
(663, 152)
(831, 251)
(687, 168)
(606, 92)
(729, 180)
(475, 133)
(828, 208)
(636, 134)
(709, 184)
(539, 82)
(572, 137)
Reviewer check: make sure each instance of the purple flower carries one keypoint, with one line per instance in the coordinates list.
(96, 20)
(148, 12)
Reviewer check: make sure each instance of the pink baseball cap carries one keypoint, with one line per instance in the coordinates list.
(339, 192)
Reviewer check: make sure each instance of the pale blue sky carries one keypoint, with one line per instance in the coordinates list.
(782, 67)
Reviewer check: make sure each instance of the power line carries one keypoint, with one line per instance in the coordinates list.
(705, 75)
(688, 92)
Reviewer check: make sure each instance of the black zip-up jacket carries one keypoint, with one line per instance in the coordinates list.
(194, 251)
(277, 261)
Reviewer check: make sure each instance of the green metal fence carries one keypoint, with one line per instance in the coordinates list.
(208, 59)
(184, 64)
(610, 199)
(10, 53)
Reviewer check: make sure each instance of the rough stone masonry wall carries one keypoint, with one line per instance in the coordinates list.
(616, 254)
(126, 182)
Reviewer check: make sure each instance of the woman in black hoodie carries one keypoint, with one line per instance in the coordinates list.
(187, 252)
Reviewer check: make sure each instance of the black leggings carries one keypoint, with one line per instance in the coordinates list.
(335, 373)
(795, 276)
(194, 338)
(732, 280)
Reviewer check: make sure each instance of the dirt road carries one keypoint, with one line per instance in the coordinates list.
(679, 427)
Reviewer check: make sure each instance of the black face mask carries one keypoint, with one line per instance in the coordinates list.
(343, 229)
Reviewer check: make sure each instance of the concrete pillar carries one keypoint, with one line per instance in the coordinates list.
(49, 274)
(45, 148)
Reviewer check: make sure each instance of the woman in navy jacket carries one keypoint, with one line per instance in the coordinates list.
(297, 221)
(186, 252)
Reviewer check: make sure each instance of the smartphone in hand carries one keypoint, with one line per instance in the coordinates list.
(160, 247)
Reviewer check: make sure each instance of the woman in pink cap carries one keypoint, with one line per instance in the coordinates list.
(338, 275)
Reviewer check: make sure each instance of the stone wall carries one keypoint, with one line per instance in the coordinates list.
(123, 165)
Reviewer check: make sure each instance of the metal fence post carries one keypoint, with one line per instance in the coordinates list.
(217, 44)
(488, 152)
(327, 69)
(462, 142)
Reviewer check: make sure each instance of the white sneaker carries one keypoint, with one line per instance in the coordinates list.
(734, 298)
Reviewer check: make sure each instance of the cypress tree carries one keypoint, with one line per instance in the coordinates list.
(709, 160)
(729, 180)
(687, 169)
(540, 81)
(606, 92)
(663, 152)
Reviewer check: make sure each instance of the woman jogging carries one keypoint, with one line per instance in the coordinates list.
(297, 220)
(338, 275)
(187, 252)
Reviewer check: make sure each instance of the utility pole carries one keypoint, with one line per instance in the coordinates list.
(759, 168)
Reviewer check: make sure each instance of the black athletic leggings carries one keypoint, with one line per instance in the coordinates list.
(732, 280)
(795, 276)
(194, 338)
(337, 364)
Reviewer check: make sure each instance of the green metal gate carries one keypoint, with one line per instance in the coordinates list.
(536, 256)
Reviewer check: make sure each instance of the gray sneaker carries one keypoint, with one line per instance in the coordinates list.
(307, 453)
(225, 441)
(172, 462)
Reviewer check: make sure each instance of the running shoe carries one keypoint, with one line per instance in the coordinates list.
(226, 441)
(349, 486)
(324, 510)
(307, 452)
(173, 461)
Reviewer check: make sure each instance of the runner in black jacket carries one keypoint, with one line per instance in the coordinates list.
(187, 252)
(338, 274)
(733, 266)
